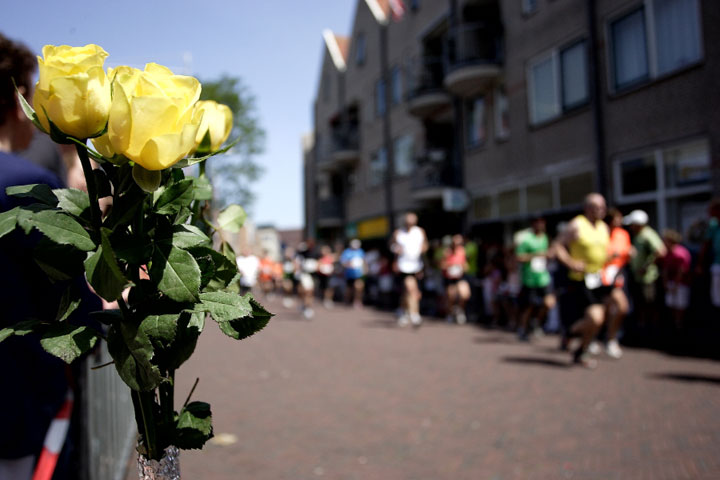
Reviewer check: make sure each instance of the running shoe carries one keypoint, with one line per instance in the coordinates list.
(583, 359)
(613, 349)
(594, 348)
(415, 319)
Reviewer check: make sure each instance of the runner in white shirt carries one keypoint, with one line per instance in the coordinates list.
(249, 267)
(409, 243)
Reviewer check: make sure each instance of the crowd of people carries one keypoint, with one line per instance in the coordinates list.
(600, 268)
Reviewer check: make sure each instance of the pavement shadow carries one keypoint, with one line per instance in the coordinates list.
(686, 377)
(381, 323)
(506, 339)
(541, 361)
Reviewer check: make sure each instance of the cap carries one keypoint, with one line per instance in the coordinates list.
(636, 217)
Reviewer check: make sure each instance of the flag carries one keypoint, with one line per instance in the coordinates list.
(397, 9)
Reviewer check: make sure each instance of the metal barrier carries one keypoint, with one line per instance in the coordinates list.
(110, 433)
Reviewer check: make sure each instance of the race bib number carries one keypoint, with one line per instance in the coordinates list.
(593, 281)
(356, 263)
(455, 271)
(310, 265)
(326, 268)
(538, 264)
(611, 272)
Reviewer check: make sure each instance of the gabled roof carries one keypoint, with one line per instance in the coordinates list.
(380, 10)
(338, 46)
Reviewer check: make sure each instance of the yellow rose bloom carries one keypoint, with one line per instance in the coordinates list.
(152, 119)
(73, 90)
(217, 121)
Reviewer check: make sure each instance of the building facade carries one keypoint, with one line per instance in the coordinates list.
(478, 114)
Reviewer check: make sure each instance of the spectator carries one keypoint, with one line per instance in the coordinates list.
(648, 247)
(676, 276)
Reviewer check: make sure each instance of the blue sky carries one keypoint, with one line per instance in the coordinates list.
(275, 47)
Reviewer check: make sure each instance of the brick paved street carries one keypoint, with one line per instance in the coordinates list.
(350, 396)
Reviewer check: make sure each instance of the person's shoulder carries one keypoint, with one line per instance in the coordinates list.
(15, 170)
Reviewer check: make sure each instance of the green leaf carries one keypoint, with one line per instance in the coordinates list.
(247, 325)
(107, 317)
(37, 191)
(103, 272)
(217, 270)
(26, 213)
(69, 302)
(161, 329)
(224, 306)
(132, 352)
(188, 236)
(67, 341)
(59, 262)
(173, 198)
(194, 426)
(176, 273)
(232, 218)
(74, 201)
(19, 329)
(63, 229)
(8, 221)
(186, 162)
(189, 327)
(28, 110)
(202, 188)
(147, 180)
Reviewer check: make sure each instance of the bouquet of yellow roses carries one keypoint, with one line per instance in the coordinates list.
(151, 251)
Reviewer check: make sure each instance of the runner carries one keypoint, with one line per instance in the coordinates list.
(536, 299)
(582, 247)
(617, 305)
(248, 265)
(353, 262)
(266, 277)
(457, 289)
(408, 244)
(306, 265)
(325, 270)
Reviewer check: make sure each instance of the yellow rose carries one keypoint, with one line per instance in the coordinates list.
(73, 90)
(217, 121)
(152, 119)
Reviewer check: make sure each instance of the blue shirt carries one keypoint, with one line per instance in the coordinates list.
(353, 260)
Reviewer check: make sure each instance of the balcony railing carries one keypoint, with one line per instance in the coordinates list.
(475, 54)
(330, 211)
(433, 173)
(427, 77)
(475, 43)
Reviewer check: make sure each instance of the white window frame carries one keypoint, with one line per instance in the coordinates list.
(648, 7)
(555, 54)
(500, 133)
(662, 192)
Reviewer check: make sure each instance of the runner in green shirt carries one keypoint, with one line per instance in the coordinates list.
(535, 296)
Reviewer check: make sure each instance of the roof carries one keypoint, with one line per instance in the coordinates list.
(380, 10)
(338, 46)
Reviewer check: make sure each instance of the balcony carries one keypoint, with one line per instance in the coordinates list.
(342, 149)
(330, 212)
(474, 58)
(433, 174)
(426, 92)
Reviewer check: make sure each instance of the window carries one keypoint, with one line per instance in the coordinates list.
(483, 207)
(360, 49)
(404, 155)
(475, 110)
(509, 202)
(574, 188)
(380, 98)
(558, 82)
(378, 166)
(529, 6)
(502, 115)
(660, 37)
(687, 165)
(414, 5)
(639, 175)
(396, 82)
(539, 197)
